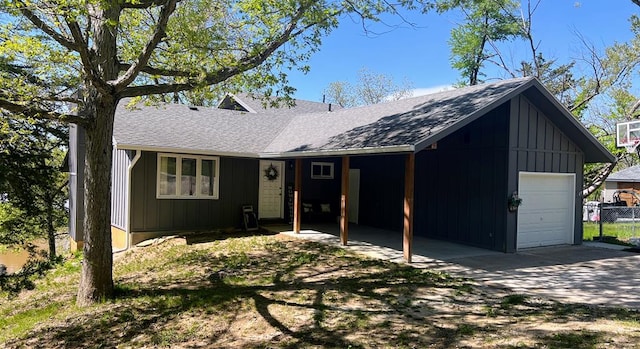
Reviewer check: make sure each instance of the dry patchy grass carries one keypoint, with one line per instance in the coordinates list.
(273, 292)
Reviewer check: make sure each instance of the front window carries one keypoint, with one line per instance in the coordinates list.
(196, 174)
(322, 170)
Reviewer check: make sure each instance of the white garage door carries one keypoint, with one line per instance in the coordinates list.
(547, 214)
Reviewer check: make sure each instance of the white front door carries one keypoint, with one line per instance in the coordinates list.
(271, 197)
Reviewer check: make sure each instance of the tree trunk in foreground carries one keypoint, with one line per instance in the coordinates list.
(96, 282)
(51, 231)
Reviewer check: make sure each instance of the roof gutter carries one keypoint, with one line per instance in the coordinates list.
(185, 151)
(340, 152)
(271, 155)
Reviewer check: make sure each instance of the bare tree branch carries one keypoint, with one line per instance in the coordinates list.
(160, 71)
(599, 178)
(86, 57)
(144, 90)
(59, 38)
(244, 64)
(37, 113)
(145, 54)
(143, 4)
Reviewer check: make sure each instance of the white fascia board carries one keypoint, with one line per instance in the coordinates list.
(340, 152)
(188, 151)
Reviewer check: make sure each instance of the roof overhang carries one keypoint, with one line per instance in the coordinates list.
(341, 152)
(635, 180)
(186, 151)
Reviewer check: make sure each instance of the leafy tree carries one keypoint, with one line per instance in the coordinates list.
(33, 192)
(371, 88)
(31, 181)
(486, 22)
(591, 87)
(147, 49)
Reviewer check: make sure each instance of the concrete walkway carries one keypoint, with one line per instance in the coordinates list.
(590, 274)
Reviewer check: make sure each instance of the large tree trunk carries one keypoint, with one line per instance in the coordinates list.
(99, 108)
(51, 231)
(96, 281)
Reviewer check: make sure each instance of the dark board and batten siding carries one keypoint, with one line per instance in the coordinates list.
(119, 194)
(537, 145)
(381, 190)
(460, 186)
(238, 186)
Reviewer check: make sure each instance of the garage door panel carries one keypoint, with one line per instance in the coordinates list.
(545, 202)
(545, 217)
(547, 211)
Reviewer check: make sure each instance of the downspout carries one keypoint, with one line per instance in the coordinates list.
(128, 210)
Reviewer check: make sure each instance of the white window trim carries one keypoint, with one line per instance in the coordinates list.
(199, 195)
(322, 164)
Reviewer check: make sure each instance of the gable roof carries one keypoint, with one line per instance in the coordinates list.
(629, 174)
(407, 125)
(247, 103)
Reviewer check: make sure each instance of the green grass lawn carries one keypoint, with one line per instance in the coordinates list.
(621, 231)
(277, 292)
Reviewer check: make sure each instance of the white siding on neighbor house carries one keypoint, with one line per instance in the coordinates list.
(609, 188)
(119, 194)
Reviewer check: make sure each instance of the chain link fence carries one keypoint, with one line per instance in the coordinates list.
(611, 222)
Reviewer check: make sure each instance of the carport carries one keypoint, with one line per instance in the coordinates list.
(450, 167)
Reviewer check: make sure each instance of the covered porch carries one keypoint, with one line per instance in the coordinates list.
(386, 244)
(343, 227)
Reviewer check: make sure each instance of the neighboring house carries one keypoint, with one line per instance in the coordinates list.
(628, 179)
(441, 166)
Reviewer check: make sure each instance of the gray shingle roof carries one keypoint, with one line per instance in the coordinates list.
(630, 174)
(310, 129)
(404, 123)
(202, 131)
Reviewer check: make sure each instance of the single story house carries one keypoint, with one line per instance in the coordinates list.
(452, 165)
(628, 179)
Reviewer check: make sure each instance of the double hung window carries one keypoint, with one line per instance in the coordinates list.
(187, 177)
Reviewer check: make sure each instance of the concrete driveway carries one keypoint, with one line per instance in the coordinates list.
(589, 274)
(572, 274)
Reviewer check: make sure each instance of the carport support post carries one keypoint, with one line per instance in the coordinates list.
(409, 172)
(297, 196)
(344, 202)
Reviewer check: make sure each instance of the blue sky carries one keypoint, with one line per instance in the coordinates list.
(421, 53)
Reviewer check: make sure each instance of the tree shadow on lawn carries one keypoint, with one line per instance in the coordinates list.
(295, 295)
